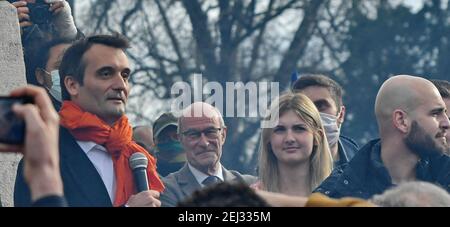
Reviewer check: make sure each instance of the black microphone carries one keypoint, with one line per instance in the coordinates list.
(138, 164)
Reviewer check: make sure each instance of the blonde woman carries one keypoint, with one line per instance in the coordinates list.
(294, 154)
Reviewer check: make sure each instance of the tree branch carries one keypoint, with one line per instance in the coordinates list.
(202, 35)
(267, 18)
(124, 29)
(298, 43)
(181, 64)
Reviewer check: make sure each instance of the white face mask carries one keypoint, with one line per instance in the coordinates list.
(55, 90)
(332, 130)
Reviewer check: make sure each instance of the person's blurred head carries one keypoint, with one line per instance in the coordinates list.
(326, 94)
(297, 139)
(202, 133)
(410, 110)
(413, 194)
(94, 75)
(168, 147)
(143, 136)
(47, 64)
(224, 194)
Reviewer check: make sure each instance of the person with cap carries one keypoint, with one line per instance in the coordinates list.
(168, 149)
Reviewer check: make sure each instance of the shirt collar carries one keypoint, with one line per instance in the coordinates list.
(342, 155)
(87, 146)
(200, 176)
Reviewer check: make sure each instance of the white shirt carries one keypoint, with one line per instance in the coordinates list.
(200, 176)
(103, 162)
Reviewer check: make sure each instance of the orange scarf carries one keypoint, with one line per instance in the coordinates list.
(85, 126)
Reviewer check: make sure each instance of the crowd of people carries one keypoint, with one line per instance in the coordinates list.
(79, 140)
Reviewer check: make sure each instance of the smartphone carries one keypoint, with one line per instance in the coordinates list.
(12, 127)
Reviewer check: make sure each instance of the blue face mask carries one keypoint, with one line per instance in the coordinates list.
(55, 90)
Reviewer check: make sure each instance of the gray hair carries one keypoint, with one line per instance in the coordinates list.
(413, 194)
(187, 109)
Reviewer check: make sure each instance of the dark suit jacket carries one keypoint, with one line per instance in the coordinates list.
(83, 186)
(182, 184)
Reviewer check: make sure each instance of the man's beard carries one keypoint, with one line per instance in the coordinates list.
(422, 144)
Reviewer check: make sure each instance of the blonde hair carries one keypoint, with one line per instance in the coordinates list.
(321, 161)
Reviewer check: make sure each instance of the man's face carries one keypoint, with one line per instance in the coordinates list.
(105, 86)
(204, 151)
(422, 143)
(447, 104)
(167, 135)
(324, 102)
(429, 128)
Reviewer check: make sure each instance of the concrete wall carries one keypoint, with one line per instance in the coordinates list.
(12, 75)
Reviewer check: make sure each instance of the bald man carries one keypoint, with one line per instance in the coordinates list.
(412, 121)
(202, 133)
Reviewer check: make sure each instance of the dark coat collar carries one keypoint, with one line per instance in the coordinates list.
(79, 175)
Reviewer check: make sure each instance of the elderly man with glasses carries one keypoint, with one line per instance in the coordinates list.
(202, 133)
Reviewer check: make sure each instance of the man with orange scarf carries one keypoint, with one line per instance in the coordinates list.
(95, 137)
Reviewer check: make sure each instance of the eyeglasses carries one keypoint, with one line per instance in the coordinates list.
(210, 133)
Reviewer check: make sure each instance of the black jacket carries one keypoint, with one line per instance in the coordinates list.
(347, 149)
(365, 175)
(83, 186)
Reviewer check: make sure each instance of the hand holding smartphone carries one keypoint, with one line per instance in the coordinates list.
(31, 126)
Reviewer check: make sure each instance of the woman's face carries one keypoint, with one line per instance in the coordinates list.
(291, 140)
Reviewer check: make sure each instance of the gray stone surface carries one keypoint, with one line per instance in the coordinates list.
(12, 75)
(8, 168)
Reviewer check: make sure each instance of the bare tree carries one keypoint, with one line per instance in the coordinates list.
(224, 41)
